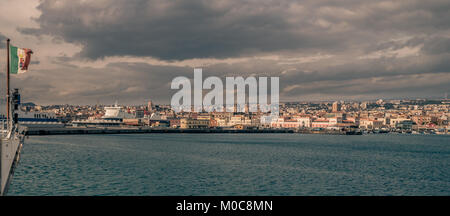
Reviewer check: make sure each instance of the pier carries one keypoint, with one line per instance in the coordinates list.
(135, 130)
(110, 130)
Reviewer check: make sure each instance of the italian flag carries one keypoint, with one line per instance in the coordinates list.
(19, 59)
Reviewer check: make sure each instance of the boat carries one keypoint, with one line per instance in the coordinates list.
(114, 117)
(11, 142)
(33, 119)
(116, 112)
(12, 133)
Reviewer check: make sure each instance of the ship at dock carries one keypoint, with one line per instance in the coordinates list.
(32, 119)
(114, 116)
(12, 133)
(11, 143)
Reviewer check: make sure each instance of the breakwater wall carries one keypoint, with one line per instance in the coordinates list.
(68, 131)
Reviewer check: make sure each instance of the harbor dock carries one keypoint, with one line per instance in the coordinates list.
(111, 130)
(134, 130)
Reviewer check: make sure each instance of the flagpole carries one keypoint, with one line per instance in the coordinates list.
(7, 80)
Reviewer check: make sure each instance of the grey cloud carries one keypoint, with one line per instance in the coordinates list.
(129, 83)
(178, 30)
(2, 41)
(437, 45)
(431, 45)
(133, 83)
(392, 87)
(166, 30)
(217, 29)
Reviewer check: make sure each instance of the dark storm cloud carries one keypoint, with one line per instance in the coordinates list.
(168, 30)
(376, 48)
(174, 30)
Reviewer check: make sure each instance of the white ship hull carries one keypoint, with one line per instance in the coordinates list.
(10, 154)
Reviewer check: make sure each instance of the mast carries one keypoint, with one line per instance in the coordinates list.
(7, 80)
(11, 142)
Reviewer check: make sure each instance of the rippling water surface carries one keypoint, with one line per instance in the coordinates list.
(234, 164)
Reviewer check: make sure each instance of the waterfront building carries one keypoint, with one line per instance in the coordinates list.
(221, 122)
(132, 122)
(213, 123)
(291, 123)
(159, 123)
(320, 123)
(240, 119)
(365, 123)
(335, 120)
(203, 116)
(406, 125)
(304, 121)
(188, 123)
(394, 121)
(174, 123)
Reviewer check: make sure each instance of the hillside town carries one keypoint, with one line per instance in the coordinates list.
(418, 116)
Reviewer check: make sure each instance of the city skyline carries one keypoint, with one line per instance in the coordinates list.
(86, 52)
(144, 102)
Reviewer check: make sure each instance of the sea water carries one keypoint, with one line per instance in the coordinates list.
(234, 164)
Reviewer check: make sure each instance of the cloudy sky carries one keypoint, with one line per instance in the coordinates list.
(129, 50)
